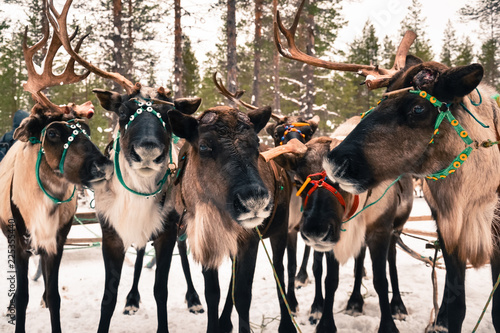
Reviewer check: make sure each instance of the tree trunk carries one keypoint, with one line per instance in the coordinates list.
(178, 88)
(257, 52)
(232, 70)
(276, 74)
(117, 40)
(309, 70)
(127, 61)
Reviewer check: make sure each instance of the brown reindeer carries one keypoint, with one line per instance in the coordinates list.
(225, 193)
(324, 227)
(39, 176)
(428, 115)
(135, 205)
(285, 129)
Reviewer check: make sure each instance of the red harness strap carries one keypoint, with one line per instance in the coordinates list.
(322, 183)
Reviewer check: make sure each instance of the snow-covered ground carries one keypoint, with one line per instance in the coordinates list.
(82, 275)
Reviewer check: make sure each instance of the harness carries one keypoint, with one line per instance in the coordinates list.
(77, 129)
(321, 183)
(116, 148)
(293, 127)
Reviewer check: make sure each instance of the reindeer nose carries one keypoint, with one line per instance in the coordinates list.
(147, 151)
(251, 197)
(316, 233)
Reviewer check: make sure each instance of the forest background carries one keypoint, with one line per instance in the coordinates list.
(165, 43)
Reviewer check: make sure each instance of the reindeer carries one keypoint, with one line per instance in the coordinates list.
(324, 226)
(135, 205)
(39, 176)
(408, 129)
(222, 208)
(285, 129)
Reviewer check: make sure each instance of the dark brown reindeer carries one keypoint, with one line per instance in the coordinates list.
(135, 205)
(39, 176)
(324, 227)
(285, 129)
(225, 193)
(407, 128)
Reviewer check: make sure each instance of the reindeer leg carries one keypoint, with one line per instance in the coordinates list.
(225, 317)
(192, 297)
(245, 270)
(495, 270)
(212, 297)
(22, 285)
(133, 297)
(291, 249)
(317, 306)
(355, 303)
(278, 244)
(452, 311)
(164, 246)
(301, 280)
(398, 308)
(379, 247)
(50, 270)
(327, 323)
(113, 253)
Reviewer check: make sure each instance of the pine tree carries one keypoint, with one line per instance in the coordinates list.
(388, 53)
(449, 51)
(190, 73)
(488, 58)
(415, 22)
(465, 53)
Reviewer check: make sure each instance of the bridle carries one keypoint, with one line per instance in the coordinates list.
(77, 129)
(116, 148)
(293, 127)
(322, 183)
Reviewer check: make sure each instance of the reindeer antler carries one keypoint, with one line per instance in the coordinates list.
(236, 97)
(293, 146)
(58, 21)
(37, 82)
(376, 77)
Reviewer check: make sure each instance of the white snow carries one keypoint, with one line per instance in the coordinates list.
(81, 285)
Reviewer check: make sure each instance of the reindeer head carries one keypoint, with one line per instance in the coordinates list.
(325, 205)
(292, 127)
(223, 161)
(401, 135)
(144, 134)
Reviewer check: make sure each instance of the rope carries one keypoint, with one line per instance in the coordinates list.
(233, 282)
(435, 287)
(373, 203)
(487, 303)
(83, 225)
(278, 282)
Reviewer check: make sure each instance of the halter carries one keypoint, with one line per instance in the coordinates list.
(77, 129)
(446, 114)
(116, 148)
(321, 183)
(293, 127)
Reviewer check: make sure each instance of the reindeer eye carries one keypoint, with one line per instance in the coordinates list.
(52, 133)
(418, 109)
(205, 149)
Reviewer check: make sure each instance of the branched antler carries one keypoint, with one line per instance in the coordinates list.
(58, 22)
(376, 77)
(236, 97)
(37, 82)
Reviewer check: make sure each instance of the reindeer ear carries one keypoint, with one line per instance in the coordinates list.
(412, 60)
(187, 105)
(183, 126)
(30, 126)
(458, 82)
(260, 117)
(270, 129)
(109, 100)
(313, 123)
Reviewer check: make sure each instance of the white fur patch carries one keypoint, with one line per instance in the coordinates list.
(135, 218)
(212, 235)
(259, 210)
